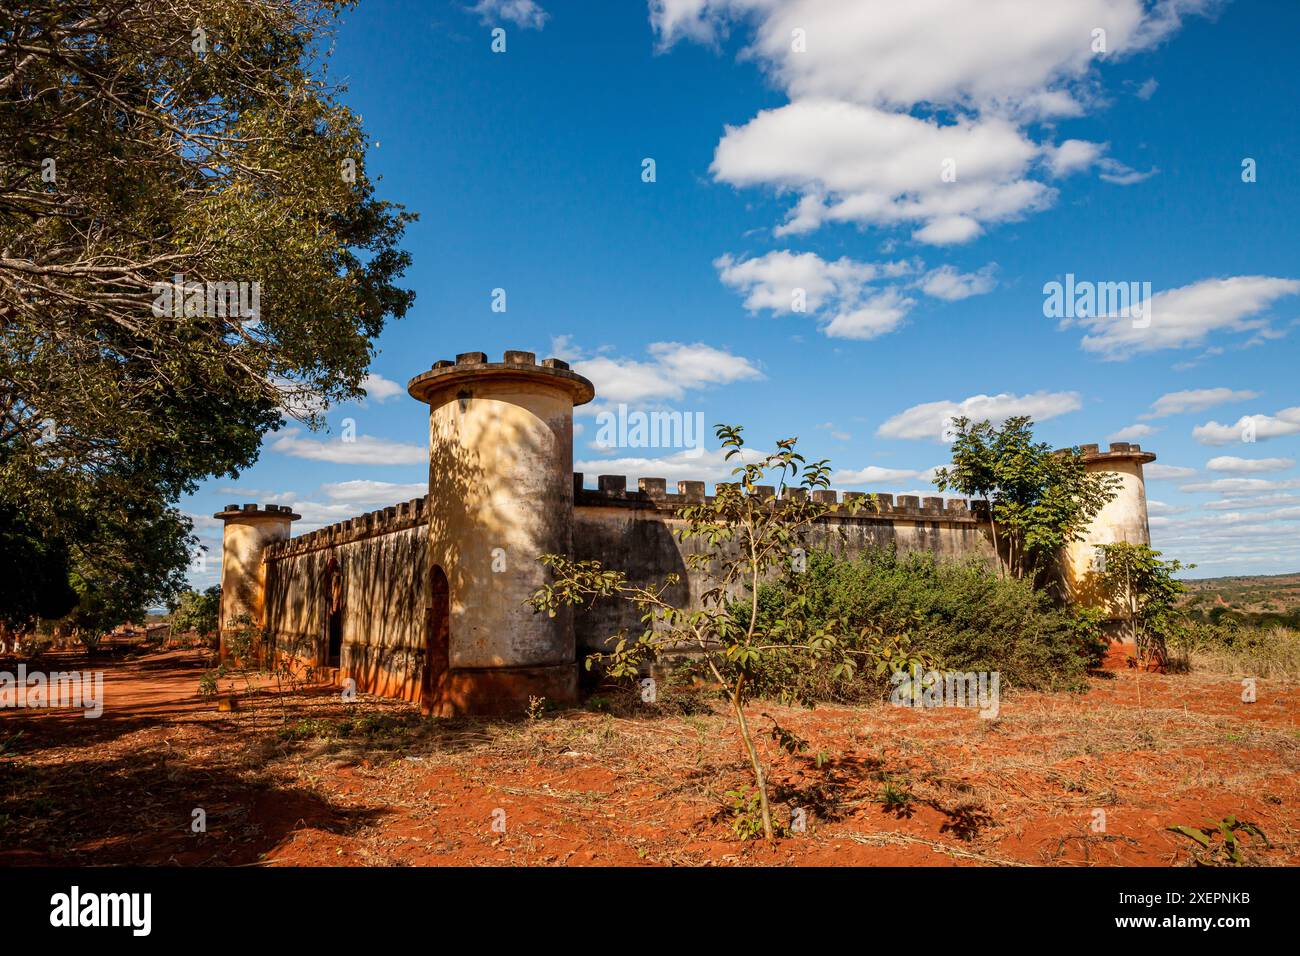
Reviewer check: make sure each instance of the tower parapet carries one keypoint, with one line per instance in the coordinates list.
(500, 496)
(247, 533)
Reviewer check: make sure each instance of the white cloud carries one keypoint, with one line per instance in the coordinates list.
(1244, 466)
(1264, 500)
(1195, 400)
(364, 450)
(1147, 89)
(849, 298)
(1186, 316)
(929, 420)
(522, 13)
(381, 389)
(950, 285)
(1159, 472)
(1020, 55)
(1072, 156)
(1237, 486)
(709, 465)
(1260, 427)
(364, 493)
(856, 164)
(673, 369)
(1132, 433)
(873, 475)
(860, 140)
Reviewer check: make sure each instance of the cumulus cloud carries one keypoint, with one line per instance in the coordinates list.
(691, 464)
(672, 370)
(381, 389)
(882, 93)
(1185, 317)
(374, 494)
(1242, 466)
(363, 450)
(1159, 472)
(522, 13)
(1250, 427)
(857, 164)
(873, 475)
(930, 420)
(1195, 400)
(1236, 486)
(1132, 433)
(947, 283)
(847, 297)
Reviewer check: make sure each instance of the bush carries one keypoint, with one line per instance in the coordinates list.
(959, 616)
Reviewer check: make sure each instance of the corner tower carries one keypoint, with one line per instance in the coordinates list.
(248, 530)
(1123, 518)
(500, 496)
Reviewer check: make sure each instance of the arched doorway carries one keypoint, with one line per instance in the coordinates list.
(333, 656)
(437, 636)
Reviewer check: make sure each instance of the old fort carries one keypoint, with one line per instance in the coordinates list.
(427, 600)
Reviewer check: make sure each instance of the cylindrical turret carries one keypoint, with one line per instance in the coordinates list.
(248, 530)
(1123, 518)
(500, 496)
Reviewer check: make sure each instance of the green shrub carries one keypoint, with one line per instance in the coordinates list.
(958, 616)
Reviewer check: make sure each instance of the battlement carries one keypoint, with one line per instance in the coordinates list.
(653, 494)
(399, 517)
(255, 511)
(516, 365)
(1119, 451)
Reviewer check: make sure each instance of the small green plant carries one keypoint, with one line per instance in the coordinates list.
(746, 806)
(536, 708)
(895, 798)
(1226, 849)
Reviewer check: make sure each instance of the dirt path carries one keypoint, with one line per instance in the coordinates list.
(308, 779)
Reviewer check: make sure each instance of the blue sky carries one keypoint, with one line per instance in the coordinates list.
(916, 170)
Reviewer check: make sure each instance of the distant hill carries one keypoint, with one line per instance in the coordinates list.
(1266, 596)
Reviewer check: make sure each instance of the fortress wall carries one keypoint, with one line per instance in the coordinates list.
(636, 532)
(383, 558)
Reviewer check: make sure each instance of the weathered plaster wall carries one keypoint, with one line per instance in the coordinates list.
(636, 532)
(383, 558)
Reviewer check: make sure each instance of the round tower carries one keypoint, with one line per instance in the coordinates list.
(500, 496)
(248, 530)
(1123, 518)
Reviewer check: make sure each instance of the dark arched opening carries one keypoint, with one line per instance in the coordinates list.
(437, 636)
(333, 614)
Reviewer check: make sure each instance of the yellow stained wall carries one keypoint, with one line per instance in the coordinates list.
(500, 495)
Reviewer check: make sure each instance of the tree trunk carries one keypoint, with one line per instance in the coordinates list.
(759, 778)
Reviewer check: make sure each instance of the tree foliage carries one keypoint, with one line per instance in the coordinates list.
(144, 140)
(1039, 499)
(1139, 580)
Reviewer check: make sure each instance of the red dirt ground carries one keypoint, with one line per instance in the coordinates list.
(305, 778)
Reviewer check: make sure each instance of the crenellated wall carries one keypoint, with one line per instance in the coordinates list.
(426, 600)
(636, 532)
(382, 558)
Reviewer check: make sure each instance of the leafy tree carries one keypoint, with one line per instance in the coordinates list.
(1039, 499)
(1137, 579)
(141, 140)
(197, 611)
(748, 537)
